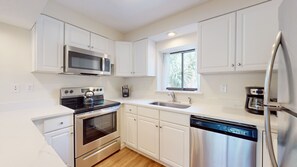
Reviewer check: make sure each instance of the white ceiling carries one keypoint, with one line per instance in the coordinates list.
(127, 15)
(22, 13)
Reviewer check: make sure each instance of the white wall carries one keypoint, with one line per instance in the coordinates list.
(210, 84)
(67, 15)
(15, 68)
(207, 10)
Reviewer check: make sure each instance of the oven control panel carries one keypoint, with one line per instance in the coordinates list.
(71, 92)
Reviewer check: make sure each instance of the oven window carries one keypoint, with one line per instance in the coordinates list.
(83, 61)
(100, 126)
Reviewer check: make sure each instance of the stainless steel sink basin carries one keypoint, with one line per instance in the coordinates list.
(172, 105)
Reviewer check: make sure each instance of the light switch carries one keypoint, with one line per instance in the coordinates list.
(223, 88)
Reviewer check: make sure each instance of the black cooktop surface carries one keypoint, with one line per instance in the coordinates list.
(77, 104)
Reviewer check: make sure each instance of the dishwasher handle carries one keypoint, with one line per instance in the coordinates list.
(248, 132)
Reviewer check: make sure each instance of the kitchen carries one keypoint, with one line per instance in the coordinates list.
(28, 86)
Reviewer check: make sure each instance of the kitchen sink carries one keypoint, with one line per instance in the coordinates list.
(172, 105)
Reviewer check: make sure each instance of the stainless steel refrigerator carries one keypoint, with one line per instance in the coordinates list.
(285, 49)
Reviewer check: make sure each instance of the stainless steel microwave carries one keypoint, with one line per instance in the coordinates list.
(85, 62)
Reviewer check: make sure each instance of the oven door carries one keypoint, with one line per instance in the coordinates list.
(94, 129)
(81, 61)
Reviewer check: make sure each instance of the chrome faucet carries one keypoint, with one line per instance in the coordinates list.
(172, 94)
(190, 100)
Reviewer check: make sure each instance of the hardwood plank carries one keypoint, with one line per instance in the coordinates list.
(128, 158)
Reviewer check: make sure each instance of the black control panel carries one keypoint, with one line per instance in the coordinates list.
(239, 130)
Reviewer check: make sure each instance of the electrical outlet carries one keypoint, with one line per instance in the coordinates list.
(29, 87)
(223, 88)
(15, 88)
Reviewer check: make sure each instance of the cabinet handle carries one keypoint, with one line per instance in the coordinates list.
(232, 65)
(157, 126)
(160, 127)
(134, 119)
(239, 64)
(130, 110)
(71, 133)
(61, 123)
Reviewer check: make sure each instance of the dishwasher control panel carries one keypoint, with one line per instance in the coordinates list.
(244, 131)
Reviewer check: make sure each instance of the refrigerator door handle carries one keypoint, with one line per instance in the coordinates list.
(267, 99)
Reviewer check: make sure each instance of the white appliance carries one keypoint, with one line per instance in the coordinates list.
(286, 42)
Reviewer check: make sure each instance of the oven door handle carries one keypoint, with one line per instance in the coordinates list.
(96, 113)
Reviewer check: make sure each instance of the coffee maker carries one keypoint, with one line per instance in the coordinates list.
(254, 100)
(125, 91)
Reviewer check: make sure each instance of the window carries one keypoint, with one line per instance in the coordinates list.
(180, 71)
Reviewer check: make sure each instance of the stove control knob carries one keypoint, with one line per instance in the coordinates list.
(97, 90)
(71, 91)
(100, 89)
(66, 92)
(94, 90)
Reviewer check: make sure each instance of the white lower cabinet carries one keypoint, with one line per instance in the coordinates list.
(131, 130)
(62, 141)
(165, 141)
(58, 132)
(174, 144)
(265, 154)
(148, 136)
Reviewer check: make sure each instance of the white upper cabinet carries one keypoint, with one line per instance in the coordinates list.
(240, 41)
(99, 43)
(48, 35)
(216, 44)
(135, 59)
(111, 50)
(144, 58)
(77, 37)
(256, 31)
(84, 39)
(123, 52)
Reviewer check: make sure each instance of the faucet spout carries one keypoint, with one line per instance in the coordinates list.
(172, 94)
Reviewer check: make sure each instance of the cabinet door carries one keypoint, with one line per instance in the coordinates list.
(77, 37)
(123, 62)
(265, 154)
(174, 144)
(99, 43)
(148, 136)
(140, 51)
(48, 35)
(216, 44)
(111, 50)
(257, 27)
(62, 141)
(131, 130)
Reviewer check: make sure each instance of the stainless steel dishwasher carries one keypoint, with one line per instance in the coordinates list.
(217, 143)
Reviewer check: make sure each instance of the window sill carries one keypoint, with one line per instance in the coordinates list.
(180, 92)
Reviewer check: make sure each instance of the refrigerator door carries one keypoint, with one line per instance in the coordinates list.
(287, 89)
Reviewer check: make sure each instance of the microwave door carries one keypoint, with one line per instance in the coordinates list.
(106, 66)
(80, 61)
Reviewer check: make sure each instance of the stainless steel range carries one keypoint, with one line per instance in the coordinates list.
(96, 124)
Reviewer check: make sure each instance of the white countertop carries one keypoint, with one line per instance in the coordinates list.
(228, 113)
(22, 144)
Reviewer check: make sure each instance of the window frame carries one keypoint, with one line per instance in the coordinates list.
(182, 73)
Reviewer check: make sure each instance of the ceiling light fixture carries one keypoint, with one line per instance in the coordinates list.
(171, 34)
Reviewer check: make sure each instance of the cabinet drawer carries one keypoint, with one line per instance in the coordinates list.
(148, 112)
(57, 123)
(131, 109)
(175, 118)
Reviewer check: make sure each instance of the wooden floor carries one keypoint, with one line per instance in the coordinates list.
(128, 158)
